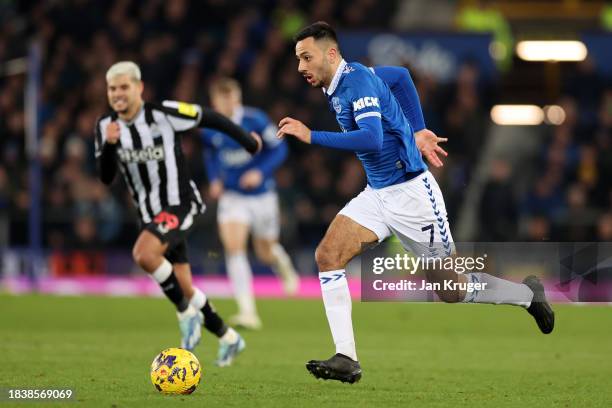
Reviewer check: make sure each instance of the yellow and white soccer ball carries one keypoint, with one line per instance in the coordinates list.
(175, 371)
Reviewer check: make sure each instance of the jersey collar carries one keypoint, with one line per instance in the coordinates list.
(135, 118)
(334, 83)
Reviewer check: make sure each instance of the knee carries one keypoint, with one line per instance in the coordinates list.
(144, 259)
(264, 253)
(328, 259)
(234, 247)
(265, 256)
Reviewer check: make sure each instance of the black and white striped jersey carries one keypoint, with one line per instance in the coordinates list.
(150, 158)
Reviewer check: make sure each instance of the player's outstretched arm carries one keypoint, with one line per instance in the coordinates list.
(211, 119)
(185, 116)
(402, 87)
(400, 83)
(369, 136)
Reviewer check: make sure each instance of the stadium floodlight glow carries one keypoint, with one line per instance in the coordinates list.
(551, 50)
(554, 115)
(517, 115)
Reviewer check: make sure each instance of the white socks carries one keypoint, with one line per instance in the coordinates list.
(283, 268)
(337, 301)
(498, 291)
(241, 276)
(230, 336)
(163, 271)
(198, 300)
(282, 260)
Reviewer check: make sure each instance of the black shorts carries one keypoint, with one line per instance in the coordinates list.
(172, 225)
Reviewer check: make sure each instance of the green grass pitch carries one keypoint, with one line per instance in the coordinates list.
(417, 355)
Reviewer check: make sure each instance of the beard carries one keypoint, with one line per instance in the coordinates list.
(124, 109)
(326, 75)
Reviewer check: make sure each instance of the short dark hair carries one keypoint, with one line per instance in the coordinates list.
(319, 31)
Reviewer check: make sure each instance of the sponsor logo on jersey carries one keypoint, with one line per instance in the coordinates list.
(150, 153)
(365, 102)
(235, 158)
(166, 222)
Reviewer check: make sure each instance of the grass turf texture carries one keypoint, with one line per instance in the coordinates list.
(422, 355)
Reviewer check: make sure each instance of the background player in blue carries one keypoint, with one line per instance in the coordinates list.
(248, 202)
(402, 198)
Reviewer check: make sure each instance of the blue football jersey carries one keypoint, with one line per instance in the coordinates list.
(227, 160)
(356, 93)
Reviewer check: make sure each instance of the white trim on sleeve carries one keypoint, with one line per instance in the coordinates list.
(367, 115)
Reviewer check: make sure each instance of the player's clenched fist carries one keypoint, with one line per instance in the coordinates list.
(112, 132)
(251, 179)
(215, 189)
(295, 128)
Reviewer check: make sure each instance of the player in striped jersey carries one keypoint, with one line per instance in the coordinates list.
(142, 140)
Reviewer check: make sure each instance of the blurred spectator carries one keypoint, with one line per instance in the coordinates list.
(546, 198)
(538, 229)
(577, 220)
(5, 201)
(425, 15)
(585, 86)
(498, 209)
(460, 106)
(604, 228)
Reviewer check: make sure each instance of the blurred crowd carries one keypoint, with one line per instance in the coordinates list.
(570, 198)
(182, 45)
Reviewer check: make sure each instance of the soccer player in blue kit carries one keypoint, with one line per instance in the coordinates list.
(373, 108)
(248, 203)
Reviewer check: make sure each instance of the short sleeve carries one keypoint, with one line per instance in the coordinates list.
(182, 116)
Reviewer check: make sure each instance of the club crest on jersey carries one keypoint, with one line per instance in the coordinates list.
(142, 155)
(365, 102)
(336, 104)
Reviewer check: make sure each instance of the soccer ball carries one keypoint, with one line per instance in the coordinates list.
(175, 371)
